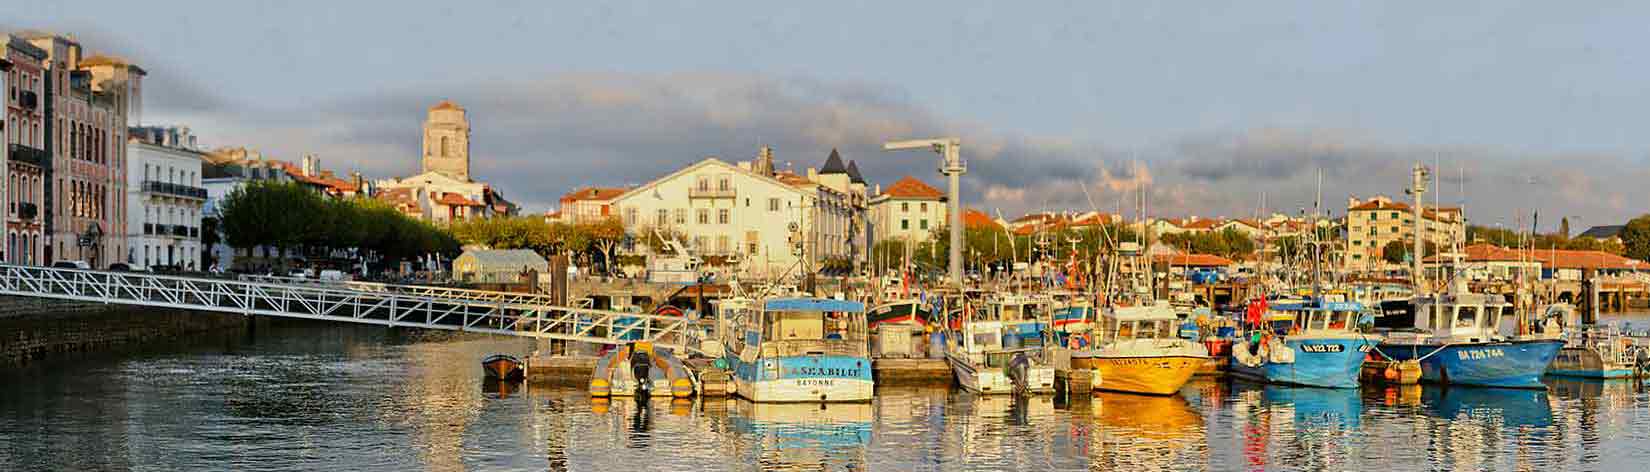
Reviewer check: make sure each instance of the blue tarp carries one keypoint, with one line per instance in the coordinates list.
(813, 304)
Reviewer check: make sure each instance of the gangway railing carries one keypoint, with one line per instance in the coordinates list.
(420, 290)
(487, 312)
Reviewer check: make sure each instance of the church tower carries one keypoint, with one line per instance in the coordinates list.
(447, 141)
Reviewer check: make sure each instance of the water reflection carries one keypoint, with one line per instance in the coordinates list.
(307, 398)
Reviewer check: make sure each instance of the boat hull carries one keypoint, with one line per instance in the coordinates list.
(502, 367)
(1509, 364)
(1151, 375)
(816, 379)
(1586, 363)
(994, 380)
(899, 312)
(1327, 363)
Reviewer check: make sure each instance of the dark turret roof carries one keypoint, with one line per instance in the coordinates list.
(853, 173)
(833, 164)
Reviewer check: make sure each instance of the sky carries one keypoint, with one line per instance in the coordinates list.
(1213, 109)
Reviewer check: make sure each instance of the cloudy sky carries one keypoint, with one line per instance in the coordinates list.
(1207, 105)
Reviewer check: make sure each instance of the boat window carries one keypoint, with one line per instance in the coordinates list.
(1125, 330)
(987, 340)
(785, 325)
(1338, 320)
(1319, 320)
(1032, 312)
(1466, 316)
(1165, 329)
(1008, 312)
(1492, 316)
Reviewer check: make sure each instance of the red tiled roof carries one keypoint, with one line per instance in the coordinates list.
(592, 193)
(1193, 260)
(453, 199)
(447, 105)
(1550, 258)
(978, 219)
(790, 178)
(1428, 213)
(1200, 224)
(910, 187)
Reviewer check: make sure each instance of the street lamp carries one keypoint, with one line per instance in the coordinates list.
(951, 165)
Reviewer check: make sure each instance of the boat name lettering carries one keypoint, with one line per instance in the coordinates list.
(816, 382)
(822, 371)
(1149, 362)
(1477, 354)
(1322, 348)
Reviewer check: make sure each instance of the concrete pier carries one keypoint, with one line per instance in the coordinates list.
(560, 370)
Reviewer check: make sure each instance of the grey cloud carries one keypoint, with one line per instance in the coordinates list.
(538, 138)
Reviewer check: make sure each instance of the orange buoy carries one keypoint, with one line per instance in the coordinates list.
(1391, 374)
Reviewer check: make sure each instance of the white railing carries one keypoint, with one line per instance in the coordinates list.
(515, 314)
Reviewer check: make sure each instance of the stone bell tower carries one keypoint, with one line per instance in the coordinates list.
(447, 141)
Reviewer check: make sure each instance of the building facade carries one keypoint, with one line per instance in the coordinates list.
(1373, 224)
(588, 204)
(744, 215)
(444, 192)
(87, 108)
(166, 198)
(909, 210)
(26, 159)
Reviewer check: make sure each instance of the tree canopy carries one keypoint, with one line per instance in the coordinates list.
(285, 215)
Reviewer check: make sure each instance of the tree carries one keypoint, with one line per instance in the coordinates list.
(1635, 238)
(605, 234)
(1394, 252)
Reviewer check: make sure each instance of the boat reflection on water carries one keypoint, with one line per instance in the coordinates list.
(1478, 407)
(803, 435)
(1140, 432)
(499, 388)
(1297, 425)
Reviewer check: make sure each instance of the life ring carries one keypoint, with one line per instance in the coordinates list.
(668, 310)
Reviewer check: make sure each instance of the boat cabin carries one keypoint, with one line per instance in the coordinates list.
(1329, 317)
(1470, 317)
(786, 327)
(1141, 322)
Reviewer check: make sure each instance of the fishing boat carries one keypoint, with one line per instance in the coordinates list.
(998, 348)
(911, 311)
(1456, 338)
(798, 349)
(1312, 343)
(1141, 351)
(640, 369)
(501, 367)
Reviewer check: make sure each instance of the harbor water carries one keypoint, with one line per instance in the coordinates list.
(308, 396)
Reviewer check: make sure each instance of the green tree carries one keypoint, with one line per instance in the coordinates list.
(1635, 238)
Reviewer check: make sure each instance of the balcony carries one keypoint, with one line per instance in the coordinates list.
(706, 192)
(176, 190)
(30, 155)
(27, 210)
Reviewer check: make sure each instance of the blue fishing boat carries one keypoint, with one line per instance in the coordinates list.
(1311, 343)
(1456, 337)
(798, 349)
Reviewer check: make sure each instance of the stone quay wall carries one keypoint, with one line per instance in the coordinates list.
(34, 327)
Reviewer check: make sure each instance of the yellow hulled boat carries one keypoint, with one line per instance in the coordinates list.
(1140, 352)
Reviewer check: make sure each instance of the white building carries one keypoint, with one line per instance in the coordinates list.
(742, 215)
(165, 197)
(908, 210)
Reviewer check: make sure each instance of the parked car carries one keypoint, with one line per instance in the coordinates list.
(82, 265)
(333, 275)
(125, 267)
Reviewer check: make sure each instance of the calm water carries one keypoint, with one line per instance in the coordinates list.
(321, 397)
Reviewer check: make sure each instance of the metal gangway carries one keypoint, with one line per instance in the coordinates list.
(512, 314)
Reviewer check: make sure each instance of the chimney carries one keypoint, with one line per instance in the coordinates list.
(813, 174)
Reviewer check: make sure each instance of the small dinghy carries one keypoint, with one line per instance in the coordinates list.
(617, 373)
(502, 367)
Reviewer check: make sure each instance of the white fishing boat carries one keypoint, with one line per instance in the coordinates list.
(797, 349)
(998, 348)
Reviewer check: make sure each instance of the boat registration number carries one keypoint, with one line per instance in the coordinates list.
(1477, 354)
(1322, 348)
(815, 382)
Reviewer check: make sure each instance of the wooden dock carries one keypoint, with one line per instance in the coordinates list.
(910, 371)
(561, 370)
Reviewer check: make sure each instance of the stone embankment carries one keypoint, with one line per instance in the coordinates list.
(35, 327)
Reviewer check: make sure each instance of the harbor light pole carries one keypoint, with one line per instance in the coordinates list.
(1418, 187)
(951, 165)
